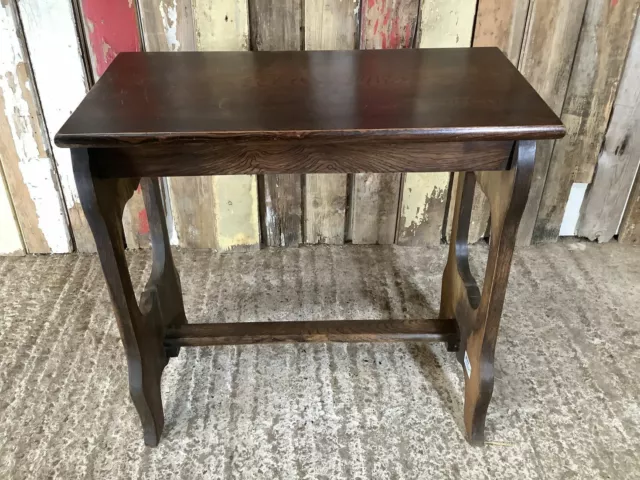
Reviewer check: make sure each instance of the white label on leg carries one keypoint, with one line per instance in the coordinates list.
(467, 364)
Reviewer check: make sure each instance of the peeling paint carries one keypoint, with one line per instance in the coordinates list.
(423, 202)
(112, 28)
(388, 24)
(169, 14)
(10, 240)
(53, 48)
(34, 165)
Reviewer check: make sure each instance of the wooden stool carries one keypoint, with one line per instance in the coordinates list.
(176, 114)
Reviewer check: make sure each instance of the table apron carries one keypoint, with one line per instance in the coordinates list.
(233, 158)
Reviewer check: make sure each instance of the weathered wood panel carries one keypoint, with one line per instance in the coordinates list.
(110, 28)
(630, 225)
(498, 23)
(375, 197)
(444, 23)
(329, 25)
(602, 48)
(208, 212)
(221, 24)
(551, 38)
(28, 167)
(276, 25)
(501, 23)
(167, 25)
(605, 200)
(225, 26)
(10, 238)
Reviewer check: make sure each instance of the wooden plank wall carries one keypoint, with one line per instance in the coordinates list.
(27, 164)
(582, 56)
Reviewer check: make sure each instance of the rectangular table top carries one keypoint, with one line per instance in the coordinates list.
(423, 94)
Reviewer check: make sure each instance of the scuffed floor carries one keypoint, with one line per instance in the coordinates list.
(565, 404)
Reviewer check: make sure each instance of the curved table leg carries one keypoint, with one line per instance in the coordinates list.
(142, 327)
(478, 316)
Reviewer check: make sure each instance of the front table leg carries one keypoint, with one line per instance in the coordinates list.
(142, 327)
(478, 316)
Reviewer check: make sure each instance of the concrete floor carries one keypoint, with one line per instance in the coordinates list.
(565, 403)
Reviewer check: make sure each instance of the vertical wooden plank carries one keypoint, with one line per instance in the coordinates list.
(444, 23)
(605, 199)
(329, 25)
(630, 225)
(221, 24)
(551, 38)
(28, 168)
(230, 202)
(499, 23)
(375, 197)
(167, 25)
(111, 28)
(10, 238)
(276, 25)
(598, 64)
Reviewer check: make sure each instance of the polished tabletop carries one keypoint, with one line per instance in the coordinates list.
(425, 94)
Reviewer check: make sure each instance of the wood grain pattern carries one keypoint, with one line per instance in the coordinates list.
(618, 161)
(111, 28)
(499, 23)
(329, 25)
(551, 39)
(443, 24)
(206, 334)
(10, 237)
(277, 25)
(630, 225)
(599, 61)
(374, 198)
(229, 158)
(478, 315)
(28, 168)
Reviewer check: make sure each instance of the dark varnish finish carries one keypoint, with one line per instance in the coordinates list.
(467, 110)
(206, 334)
(436, 94)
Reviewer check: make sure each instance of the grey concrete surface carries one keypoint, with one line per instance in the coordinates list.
(565, 403)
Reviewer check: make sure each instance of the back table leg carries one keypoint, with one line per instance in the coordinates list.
(478, 316)
(142, 327)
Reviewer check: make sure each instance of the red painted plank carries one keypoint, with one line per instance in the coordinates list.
(112, 27)
(388, 23)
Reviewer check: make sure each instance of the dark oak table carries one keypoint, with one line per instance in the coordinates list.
(172, 114)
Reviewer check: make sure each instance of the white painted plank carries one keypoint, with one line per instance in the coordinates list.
(28, 168)
(443, 23)
(10, 239)
(54, 52)
(221, 24)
